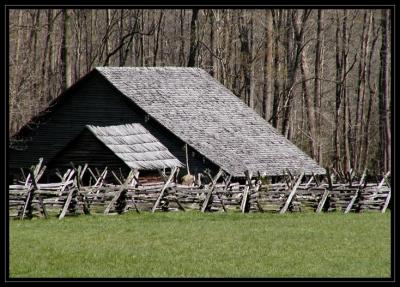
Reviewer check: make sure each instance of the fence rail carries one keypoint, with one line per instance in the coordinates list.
(69, 197)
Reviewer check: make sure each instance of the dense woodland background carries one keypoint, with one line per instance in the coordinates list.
(321, 77)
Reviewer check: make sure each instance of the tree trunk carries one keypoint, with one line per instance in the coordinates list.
(47, 57)
(294, 54)
(277, 21)
(130, 47)
(346, 157)
(252, 62)
(210, 64)
(14, 84)
(244, 59)
(371, 101)
(141, 41)
(121, 33)
(305, 74)
(182, 40)
(156, 38)
(149, 23)
(66, 78)
(78, 46)
(384, 122)
(291, 16)
(317, 83)
(336, 155)
(162, 43)
(267, 88)
(35, 89)
(108, 35)
(228, 48)
(360, 93)
(17, 50)
(193, 39)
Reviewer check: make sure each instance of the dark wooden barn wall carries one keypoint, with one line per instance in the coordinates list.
(86, 148)
(94, 102)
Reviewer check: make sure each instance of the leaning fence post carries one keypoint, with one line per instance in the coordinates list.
(327, 191)
(227, 183)
(348, 208)
(321, 204)
(212, 187)
(118, 193)
(73, 190)
(386, 201)
(35, 174)
(289, 199)
(175, 169)
(389, 194)
(249, 175)
(67, 178)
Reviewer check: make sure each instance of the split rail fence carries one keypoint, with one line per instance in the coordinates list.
(70, 197)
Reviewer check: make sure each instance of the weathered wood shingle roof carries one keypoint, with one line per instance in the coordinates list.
(210, 118)
(133, 144)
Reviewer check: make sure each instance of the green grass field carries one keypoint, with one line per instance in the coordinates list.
(191, 244)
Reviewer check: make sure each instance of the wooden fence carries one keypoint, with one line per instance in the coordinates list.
(70, 197)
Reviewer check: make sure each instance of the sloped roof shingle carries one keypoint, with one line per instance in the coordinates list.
(211, 119)
(133, 144)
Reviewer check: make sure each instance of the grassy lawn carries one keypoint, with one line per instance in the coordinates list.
(191, 244)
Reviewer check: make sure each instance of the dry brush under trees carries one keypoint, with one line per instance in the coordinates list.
(321, 77)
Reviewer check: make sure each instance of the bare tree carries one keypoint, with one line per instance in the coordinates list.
(298, 21)
(384, 121)
(317, 83)
(277, 24)
(193, 39)
(267, 88)
(372, 92)
(66, 70)
(244, 31)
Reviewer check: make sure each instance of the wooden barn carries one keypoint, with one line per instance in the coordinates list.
(179, 107)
